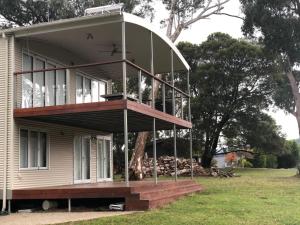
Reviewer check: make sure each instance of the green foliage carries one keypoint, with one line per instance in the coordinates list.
(290, 156)
(278, 22)
(272, 161)
(244, 163)
(259, 130)
(259, 161)
(21, 13)
(229, 79)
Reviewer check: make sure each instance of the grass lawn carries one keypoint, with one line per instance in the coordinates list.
(259, 196)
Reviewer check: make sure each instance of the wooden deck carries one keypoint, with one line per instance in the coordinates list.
(139, 195)
(106, 116)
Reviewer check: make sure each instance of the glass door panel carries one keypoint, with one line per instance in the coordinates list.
(103, 159)
(85, 158)
(81, 159)
(60, 87)
(95, 91)
(38, 84)
(102, 90)
(50, 86)
(87, 90)
(79, 89)
(27, 82)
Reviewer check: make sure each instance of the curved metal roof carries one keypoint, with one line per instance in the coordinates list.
(90, 21)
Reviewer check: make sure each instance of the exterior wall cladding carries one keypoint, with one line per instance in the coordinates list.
(60, 158)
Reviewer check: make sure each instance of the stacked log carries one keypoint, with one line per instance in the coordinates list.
(165, 166)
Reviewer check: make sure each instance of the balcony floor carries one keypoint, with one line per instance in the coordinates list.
(104, 116)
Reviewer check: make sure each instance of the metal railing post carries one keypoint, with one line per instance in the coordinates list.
(164, 97)
(172, 77)
(154, 151)
(152, 69)
(139, 87)
(175, 150)
(191, 154)
(124, 64)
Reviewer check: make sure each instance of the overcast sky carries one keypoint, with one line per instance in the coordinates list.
(199, 32)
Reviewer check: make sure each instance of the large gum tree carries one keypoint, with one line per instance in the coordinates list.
(277, 24)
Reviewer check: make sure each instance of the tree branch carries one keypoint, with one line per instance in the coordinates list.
(227, 14)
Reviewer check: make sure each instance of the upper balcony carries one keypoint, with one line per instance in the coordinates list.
(86, 72)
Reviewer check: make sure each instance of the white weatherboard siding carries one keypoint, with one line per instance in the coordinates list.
(60, 169)
(3, 73)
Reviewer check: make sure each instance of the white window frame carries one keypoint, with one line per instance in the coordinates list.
(110, 138)
(29, 130)
(86, 76)
(46, 60)
(85, 180)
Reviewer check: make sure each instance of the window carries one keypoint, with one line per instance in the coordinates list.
(89, 90)
(33, 149)
(42, 88)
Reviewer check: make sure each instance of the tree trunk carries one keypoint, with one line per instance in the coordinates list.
(136, 162)
(206, 158)
(296, 95)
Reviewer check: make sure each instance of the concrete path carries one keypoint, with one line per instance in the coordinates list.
(40, 218)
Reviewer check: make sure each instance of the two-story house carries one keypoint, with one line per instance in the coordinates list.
(66, 86)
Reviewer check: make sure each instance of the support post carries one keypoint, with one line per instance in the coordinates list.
(152, 69)
(173, 83)
(140, 87)
(9, 206)
(164, 97)
(189, 98)
(190, 119)
(154, 151)
(126, 147)
(69, 205)
(175, 150)
(191, 154)
(124, 65)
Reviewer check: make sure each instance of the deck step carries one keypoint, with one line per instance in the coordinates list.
(157, 195)
(166, 191)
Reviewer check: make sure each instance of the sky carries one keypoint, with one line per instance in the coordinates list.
(232, 26)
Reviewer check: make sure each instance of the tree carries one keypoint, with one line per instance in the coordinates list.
(278, 24)
(181, 15)
(22, 13)
(290, 156)
(230, 79)
(259, 130)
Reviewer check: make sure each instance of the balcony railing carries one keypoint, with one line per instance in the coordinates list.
(102, 81)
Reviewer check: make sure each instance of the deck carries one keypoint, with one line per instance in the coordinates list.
(139, 195)
(107, 116)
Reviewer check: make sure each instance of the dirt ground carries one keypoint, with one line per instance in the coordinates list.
(53, 217)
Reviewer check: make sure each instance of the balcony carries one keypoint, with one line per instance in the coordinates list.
(95, 95)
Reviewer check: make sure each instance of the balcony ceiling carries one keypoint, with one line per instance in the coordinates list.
(103, 42)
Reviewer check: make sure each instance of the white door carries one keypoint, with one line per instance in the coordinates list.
(82, 156)
(104, 158)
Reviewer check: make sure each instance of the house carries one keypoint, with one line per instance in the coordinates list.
(231, 158)
(66, 87)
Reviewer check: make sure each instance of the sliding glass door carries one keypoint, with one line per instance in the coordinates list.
(89, 90)
(104, 159)
(41, 89)
(82, 155)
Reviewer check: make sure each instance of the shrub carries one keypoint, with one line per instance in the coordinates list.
(287, 161)
(271, 161)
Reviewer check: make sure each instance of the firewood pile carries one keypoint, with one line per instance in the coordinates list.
(166, 167)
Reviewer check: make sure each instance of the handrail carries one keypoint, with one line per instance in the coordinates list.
(101, 64)
(156, 78)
